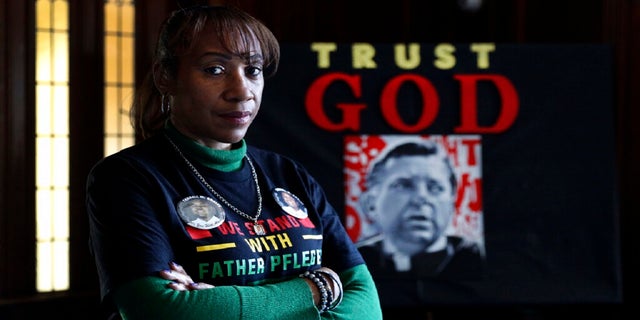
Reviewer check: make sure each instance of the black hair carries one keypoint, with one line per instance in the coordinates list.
(426, 148)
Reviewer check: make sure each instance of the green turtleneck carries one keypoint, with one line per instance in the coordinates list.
(223, 160)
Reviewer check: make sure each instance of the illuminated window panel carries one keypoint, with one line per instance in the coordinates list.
(52, 145)
(119, 80)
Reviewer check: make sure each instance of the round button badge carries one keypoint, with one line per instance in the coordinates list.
(201, 212)
(290, 203)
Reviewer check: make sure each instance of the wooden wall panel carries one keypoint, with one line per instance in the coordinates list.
(17, 235)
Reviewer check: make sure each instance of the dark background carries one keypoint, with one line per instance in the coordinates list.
(549, 207)
(612, 22)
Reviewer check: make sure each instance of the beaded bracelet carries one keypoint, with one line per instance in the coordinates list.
(333, 305)
(326, 294)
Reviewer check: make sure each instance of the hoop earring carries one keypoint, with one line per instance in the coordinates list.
(164, 110)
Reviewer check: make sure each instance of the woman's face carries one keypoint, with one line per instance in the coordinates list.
(216, 94)
(289, 200)
(415, 202)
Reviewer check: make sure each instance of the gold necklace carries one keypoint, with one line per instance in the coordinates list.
(257, 228)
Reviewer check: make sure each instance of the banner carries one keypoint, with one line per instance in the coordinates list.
(466, 173)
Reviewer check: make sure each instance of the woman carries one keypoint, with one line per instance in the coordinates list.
(256, 261)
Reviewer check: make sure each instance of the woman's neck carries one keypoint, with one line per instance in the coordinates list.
(223, 160)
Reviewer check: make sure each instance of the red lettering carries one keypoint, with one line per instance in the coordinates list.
(230, 227)
(352, 223)
(350, 111)
(472, 158)
(272, 225)
(474, 190)
(389, 106)
(249, 226)
(469, 105)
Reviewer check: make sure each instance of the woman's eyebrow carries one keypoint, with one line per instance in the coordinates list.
(209, 54)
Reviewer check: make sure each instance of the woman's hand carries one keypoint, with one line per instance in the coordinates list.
(181, 280)
(330, 286)
(333, 279)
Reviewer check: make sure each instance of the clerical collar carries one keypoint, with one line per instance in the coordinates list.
(223, 160)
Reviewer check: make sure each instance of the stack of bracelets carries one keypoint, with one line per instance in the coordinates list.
(326, 293)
